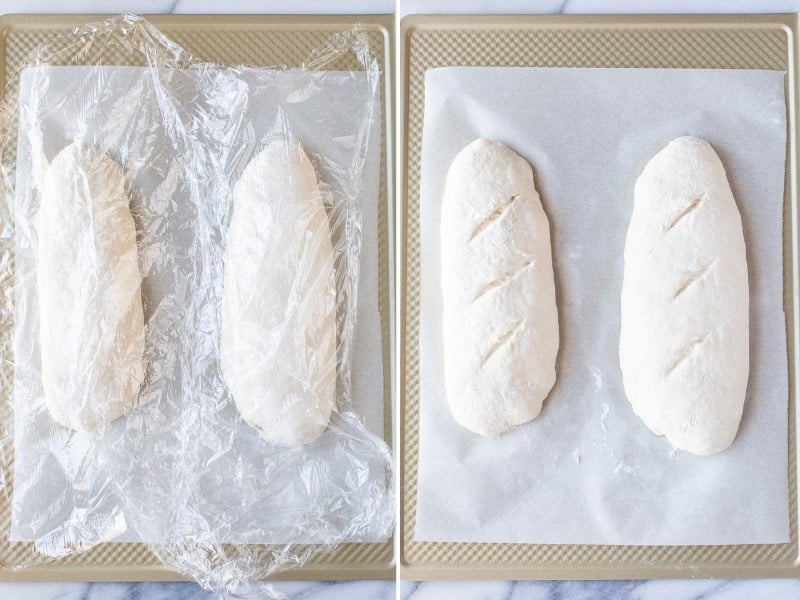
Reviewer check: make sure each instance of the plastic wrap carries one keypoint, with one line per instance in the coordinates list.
(180, 167)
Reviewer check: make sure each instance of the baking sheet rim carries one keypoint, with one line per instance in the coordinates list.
(384, 24)
(464, 569)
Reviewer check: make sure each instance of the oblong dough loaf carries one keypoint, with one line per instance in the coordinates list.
(278, 340)
(500, 322)
(88, 280)
(684, 339)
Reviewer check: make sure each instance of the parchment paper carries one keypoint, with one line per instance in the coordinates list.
(71, 484)
(587, 470)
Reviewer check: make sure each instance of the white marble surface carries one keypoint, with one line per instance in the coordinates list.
(407, 7)
(590, 590)
(313, 590)
(380, 590)
(199, 6)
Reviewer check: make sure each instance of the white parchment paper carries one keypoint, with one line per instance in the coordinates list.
(51, 504)
(587, 470)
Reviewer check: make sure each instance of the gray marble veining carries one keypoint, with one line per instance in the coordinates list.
(778, 589)
(305, 590)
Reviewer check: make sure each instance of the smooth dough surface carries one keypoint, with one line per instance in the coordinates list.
(88, 280)
(500, 323)
(278, 341)
(684, 339)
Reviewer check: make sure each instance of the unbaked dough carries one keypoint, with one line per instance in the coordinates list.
(684, 340)
(278, 341)
(500, 322)
(88, 285)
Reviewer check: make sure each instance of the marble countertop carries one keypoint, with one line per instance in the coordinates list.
(380, 590)
(778, 589)
(589, 590)
(311, 590)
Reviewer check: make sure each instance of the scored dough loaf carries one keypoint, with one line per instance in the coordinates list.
(684, 339)
(500, 322)
(278, 339)
(88, 280)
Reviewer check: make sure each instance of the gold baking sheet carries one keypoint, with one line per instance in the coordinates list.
(241, 39)
(666, 41)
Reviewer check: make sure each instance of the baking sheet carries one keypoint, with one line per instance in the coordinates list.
(327, 110)
(587, 470)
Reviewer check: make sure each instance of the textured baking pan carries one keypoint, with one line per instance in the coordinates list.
(244, 39)
(729, 42)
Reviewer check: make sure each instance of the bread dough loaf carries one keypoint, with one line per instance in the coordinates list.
(278, 342)
(684, 340)
(88, 281)
(500, 322)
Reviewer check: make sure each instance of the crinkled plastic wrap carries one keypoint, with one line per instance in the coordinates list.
(186, 240)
